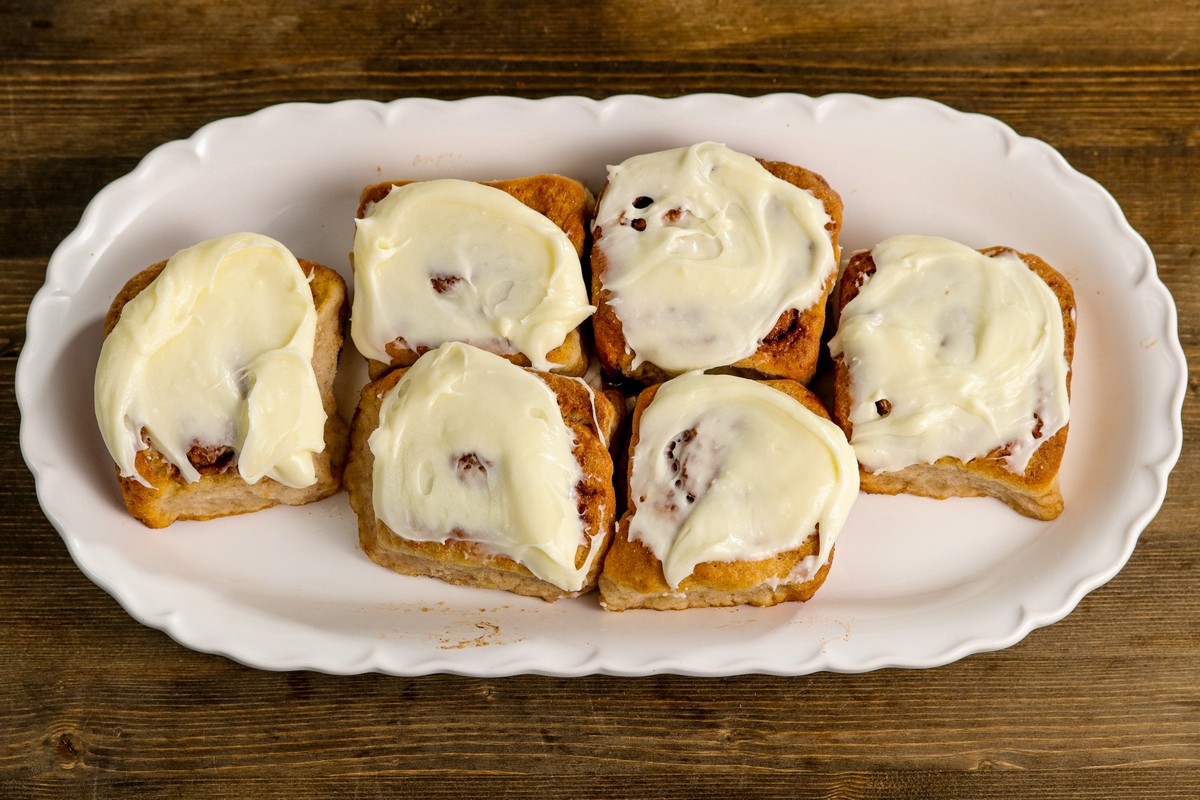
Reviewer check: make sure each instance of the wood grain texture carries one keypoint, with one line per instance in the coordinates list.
(1105, 704)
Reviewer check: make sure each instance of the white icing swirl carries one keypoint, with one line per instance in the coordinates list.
(217, 351)
(705, 250)
(469, 442)
(729, 469)
(450, 260)
(966, 350)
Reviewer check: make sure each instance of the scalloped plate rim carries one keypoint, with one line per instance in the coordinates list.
(597, 661)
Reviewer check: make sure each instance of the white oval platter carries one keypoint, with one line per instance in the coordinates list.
(916, 582)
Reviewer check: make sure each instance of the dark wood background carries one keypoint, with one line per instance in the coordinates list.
(1104, 704)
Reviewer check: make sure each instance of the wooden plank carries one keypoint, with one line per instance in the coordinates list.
(1104, 704)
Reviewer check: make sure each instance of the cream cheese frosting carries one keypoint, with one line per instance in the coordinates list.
(451, 260)
(217, 351)
(729, 469)
(704, 250)
(471, 444)
(951, 353)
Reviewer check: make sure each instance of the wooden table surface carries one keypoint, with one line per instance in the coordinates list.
(1103, 704)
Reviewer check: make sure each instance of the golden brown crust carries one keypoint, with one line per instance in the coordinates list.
(1035, 492)
(565, 202)
(633, 575)
(463, 562)
(570, 354)
(791, 348)
(221, 491)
